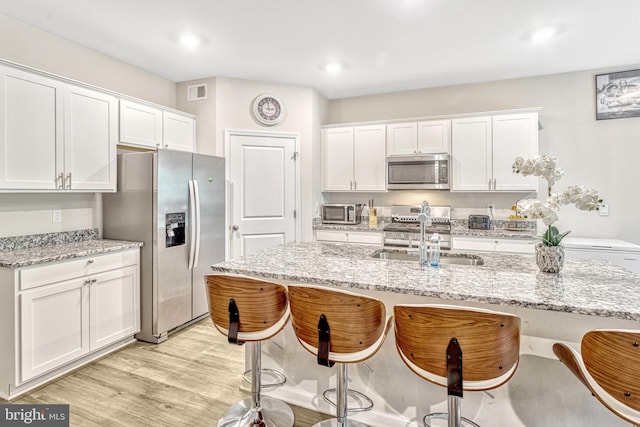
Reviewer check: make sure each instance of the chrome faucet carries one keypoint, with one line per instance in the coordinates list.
(425, 220)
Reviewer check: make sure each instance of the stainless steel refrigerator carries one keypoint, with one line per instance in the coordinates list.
(173, 202)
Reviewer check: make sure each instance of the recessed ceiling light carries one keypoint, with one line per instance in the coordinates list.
(333, 67)
(542, 34)
(189, 40)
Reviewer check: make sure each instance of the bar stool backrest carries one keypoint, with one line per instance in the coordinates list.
(357, 322)
(489, 340)
(262, 306)
(612, 357)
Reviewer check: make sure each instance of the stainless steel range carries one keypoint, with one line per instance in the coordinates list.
(404, 229)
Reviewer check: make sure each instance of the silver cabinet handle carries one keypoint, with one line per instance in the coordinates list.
(355, 185)
(166, 145)
(158, 145)
(86, 282)
(94, 280)
(494, 183)
(60, 181)
(90, 261)
(235, 227)
(489, 183)
(69, 181)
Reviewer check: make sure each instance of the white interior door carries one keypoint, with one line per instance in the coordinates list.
(262, 193)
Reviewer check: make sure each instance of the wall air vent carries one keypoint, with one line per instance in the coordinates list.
(197, 92)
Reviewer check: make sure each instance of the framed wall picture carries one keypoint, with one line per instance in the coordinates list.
(618, 95)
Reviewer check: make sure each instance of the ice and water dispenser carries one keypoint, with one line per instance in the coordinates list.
(175, 223)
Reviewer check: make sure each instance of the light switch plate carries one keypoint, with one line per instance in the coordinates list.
(56, 215)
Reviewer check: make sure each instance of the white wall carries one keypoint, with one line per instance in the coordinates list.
(30, 46)
(597, 154)
(22, 214)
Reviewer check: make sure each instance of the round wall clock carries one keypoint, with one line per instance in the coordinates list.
(268, 110)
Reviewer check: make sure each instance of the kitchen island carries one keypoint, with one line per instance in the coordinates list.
(586, 295)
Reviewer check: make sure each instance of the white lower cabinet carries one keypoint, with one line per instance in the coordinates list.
(523, 246)
(365, 237)
(64, 312)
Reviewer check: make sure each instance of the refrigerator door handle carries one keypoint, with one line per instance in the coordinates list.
(196, 192)
(192, 224)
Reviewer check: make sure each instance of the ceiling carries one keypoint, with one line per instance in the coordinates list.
(386, 45)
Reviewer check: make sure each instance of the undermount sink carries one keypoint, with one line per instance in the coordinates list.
(445, 257)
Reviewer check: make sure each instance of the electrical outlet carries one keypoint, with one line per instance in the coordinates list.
(56, 215)
(604, 210)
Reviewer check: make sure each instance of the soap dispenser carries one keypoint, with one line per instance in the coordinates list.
(434, 250)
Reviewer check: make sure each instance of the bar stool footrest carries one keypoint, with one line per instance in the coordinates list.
(367, 403)
(333, 422)
(445, 416)
(279, 378)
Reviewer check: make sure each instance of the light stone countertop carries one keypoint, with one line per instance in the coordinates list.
(49, 253)
(588, 287)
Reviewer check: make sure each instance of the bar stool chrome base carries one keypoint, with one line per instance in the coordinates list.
(445, 416)
(273, 413)
(333, 422)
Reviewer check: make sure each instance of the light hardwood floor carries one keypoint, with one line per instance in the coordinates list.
(189, 380)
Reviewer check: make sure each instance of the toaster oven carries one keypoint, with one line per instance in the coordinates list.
(341, 213)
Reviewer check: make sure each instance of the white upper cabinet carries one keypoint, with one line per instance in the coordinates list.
(484, 148)
(30, 131)
(148, 127)
(434, 136)
(90, 138)
(55, 136)
(353, 159)
(369, 165)
(337, 159)
(140, 125)
(402, 139)
(424, 137)
(179, 132)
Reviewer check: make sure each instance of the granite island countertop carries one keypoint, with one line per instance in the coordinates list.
(58, 252)
(585, 287)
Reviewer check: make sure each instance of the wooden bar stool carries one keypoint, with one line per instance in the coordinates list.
(250, 310)
(609, 366)
(338, 327)
(459, 348)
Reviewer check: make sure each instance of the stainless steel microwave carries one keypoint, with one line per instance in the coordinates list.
(341, 213)
(423, 172)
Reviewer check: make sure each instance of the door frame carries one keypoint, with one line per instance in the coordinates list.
(228, 133)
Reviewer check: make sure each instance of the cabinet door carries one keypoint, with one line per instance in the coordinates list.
(471, 154)
(114, 306)
(178, 132)
(90, 138)
(337, 159)
(331, 236)
(54, 326)
(473, 244)
(30, 131)
(402, 139)
(514, 135)
(369, 158)
(434, 136)
(140, 125)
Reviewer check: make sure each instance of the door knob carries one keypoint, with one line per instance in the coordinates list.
(235, 228)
